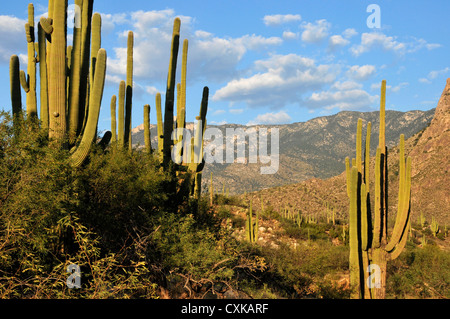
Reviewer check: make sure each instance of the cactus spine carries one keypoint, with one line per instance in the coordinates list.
(370, 246)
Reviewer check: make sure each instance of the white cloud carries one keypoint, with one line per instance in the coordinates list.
(202, 34)
(271, 118)
(424, 80)
(378, 40)
(361, 73)
(337, 41)
(218, 112)
(277, 19)
(210, 57)
(350, 32)
(346, 85)
(289, 35)
(236, 111)
(151, 90)
(433, 75)
(280, 80)
(109, 21)
(315, 32)
(353, 99)
(12, 37)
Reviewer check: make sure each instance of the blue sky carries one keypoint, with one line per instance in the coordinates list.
(266, 62)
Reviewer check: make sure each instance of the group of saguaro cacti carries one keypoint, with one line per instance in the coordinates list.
(72, 78)
(174, 148)
(370, 248)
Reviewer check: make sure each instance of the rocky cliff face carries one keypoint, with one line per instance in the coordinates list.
(431, 163)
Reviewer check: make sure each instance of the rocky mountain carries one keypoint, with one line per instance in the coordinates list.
(313, 149)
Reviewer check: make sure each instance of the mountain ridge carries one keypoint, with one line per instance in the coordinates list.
(313, 149)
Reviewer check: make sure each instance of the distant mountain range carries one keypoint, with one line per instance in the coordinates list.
(313, 149)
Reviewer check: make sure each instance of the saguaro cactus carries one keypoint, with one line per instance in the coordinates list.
(16, 96)
(370, 248)
(252, 227)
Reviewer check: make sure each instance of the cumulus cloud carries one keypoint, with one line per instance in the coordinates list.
(12, 37)
(209, 57)
(289, 35)
(349, 33)
(279, 80)
(352, 99)
(315, 32)
(336, 41)
(361, 73)
(277, 19)
(378, 40)
(280, 117)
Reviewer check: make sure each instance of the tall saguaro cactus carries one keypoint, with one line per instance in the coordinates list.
(30, 84)
(170, 93)
(370, 249)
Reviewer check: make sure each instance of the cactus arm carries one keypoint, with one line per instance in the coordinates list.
(24, 81)
(46, 24)
(121, 124)
(403, 206)
(82, 151)
(113, 119)
(147, 139)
